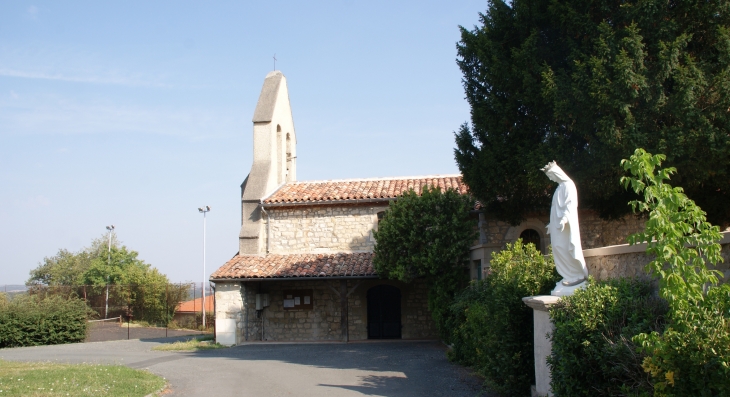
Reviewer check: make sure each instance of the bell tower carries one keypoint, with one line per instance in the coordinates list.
(274, 160)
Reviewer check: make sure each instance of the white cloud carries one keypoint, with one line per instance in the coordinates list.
(59, 115)
(80, 79)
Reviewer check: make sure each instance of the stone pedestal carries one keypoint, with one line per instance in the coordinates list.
(543, 346)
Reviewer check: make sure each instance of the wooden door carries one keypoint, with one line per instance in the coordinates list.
(384, 312)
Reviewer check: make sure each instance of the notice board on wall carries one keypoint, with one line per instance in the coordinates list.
(299, 299)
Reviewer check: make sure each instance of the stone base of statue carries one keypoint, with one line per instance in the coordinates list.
(565, 290)
(543, 345)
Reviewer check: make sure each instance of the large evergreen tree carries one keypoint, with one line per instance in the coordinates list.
(585, 82)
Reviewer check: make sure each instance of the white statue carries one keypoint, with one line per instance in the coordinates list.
(565, 233)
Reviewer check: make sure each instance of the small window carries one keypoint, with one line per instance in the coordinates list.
(381, 215)
(478, 268)
(531, 236)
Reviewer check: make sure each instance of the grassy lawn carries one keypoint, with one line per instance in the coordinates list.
(200, 343)
(43, 379)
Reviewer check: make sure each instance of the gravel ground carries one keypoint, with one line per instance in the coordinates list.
(396, 368)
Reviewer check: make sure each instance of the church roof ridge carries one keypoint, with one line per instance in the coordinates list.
(384, 178)
(346, 191)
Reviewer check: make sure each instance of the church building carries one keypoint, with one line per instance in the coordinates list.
(304, 268)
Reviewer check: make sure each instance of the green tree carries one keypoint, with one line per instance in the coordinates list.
(585, 82)
(428, 236)
(691, 357)
(64, 268)
(68, 268)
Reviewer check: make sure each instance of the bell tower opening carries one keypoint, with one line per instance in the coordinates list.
(279, 178)
(288, 158)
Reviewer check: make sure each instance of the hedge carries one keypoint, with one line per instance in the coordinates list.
(493, 328)
(592, 349)
(31, 321)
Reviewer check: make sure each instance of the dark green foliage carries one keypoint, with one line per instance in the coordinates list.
(593, 354)
(585, 82)
(30, 320)
(493, 328)
(429, 236)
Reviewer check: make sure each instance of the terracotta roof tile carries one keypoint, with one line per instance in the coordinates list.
(356, 264)
(360, 189)
(195, 305)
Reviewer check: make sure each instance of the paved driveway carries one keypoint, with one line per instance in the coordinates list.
(395, 368)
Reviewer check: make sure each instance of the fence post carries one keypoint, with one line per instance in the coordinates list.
(167, 298)
(129, 309)
(194, 310)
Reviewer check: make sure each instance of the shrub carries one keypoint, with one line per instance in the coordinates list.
(692, 356)
(592, 352)
(428, 236)
(31, 321)
(493, 328)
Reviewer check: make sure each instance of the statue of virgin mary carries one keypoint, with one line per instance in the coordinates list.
(565, 233)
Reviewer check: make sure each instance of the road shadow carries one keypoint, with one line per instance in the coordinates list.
(408, 368)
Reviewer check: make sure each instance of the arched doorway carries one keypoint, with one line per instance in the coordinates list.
(384, 312)
(531, 236)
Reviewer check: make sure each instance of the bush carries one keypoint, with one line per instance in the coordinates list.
(692, 356)
(428, 236)
(493, 328)
(31, 321)
(593, 354)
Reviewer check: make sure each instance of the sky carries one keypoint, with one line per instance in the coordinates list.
(136, 113)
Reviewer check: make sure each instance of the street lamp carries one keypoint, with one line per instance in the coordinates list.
(108, 263)
(204, 210)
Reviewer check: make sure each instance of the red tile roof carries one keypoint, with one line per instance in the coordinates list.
(195, 305)
(356, 264)
(315, 192)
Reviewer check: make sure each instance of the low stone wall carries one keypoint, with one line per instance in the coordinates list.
(322, 322)
(630, 261)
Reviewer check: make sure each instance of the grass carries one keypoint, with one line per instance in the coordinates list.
(200, 343)
(45, 379)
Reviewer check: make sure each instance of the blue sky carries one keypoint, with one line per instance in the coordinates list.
(136, 113)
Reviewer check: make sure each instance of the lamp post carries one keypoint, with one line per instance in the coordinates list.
(108, 263)
(204, 210)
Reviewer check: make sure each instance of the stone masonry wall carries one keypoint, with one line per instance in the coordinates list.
(595, 232)
(229, 303)
(323, 229)
(323, 321)
(632, 265)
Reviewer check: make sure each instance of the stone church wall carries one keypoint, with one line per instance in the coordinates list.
(323, 229)
(322, 322)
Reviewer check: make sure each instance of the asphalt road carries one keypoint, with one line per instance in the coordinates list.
(394, 368)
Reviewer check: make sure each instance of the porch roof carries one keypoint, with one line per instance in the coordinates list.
(294, 266)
